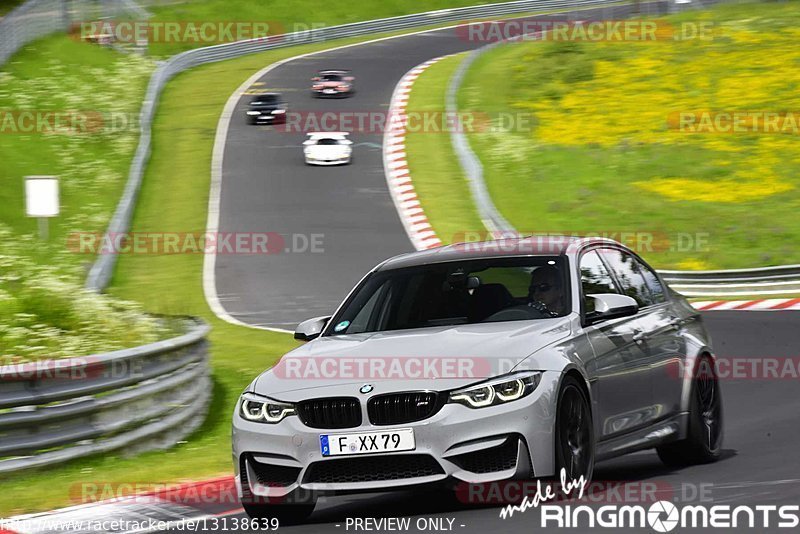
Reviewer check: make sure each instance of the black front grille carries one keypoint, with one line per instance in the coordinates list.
(490, 460)
(334, 412)
(400, 408)
(373, 469)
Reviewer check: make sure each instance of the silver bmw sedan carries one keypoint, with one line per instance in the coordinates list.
(475, 363)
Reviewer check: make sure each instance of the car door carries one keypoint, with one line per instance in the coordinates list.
(660, 342)
(619, 372)
(663, 336)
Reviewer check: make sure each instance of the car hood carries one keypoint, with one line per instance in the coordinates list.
(439, 358)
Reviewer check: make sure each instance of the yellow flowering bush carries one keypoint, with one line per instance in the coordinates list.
(665, 136)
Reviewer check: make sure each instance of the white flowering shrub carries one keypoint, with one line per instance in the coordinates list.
(45, 313)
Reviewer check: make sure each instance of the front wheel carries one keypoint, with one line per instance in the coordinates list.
(574, 432)
(703, 444)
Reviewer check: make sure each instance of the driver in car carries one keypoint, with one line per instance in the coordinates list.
(545, 292)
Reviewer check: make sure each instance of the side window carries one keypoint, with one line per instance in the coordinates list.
(595, 278)
(626, 269)
(657, 290)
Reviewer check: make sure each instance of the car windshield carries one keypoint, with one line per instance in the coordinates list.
(455, 293)
(328, 142)
(331, 77)
(264, 99)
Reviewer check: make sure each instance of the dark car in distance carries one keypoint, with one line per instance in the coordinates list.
(266, 108)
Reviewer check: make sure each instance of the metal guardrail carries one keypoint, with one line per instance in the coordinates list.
(762, 281)
(102, 270)
(38, 18)
(765, 281)
(140, 398)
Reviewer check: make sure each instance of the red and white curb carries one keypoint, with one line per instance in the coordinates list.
(748, 305)
(187, 506)
(398, 176)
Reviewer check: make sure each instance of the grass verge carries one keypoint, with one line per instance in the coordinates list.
(605, 154)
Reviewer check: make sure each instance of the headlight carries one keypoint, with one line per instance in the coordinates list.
(279, 112)
(254, 113)
(264, 410)
(498, 391)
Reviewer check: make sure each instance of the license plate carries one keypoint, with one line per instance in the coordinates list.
(367, 442)
(329, 91)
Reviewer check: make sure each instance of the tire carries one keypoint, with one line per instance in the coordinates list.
(286, 514)
(703, 444)
(574, 432)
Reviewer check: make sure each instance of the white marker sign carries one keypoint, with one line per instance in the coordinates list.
(41, 196)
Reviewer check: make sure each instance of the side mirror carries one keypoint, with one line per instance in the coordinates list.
(347, 142)
(610, 306)
(349, 78)
(311, 328)
(309, 142)
(315, 79)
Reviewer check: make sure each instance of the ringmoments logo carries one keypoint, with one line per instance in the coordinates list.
(660, 516)
(664, 516)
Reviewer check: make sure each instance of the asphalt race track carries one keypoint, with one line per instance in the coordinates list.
(267, 187)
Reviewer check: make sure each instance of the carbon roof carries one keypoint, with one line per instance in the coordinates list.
(536, 245)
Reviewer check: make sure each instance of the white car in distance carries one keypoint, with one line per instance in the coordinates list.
(328, 148)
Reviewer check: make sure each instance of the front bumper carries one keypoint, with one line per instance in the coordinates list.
(320, 93)
(457, 444)
(266, 118)
(341, 161)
